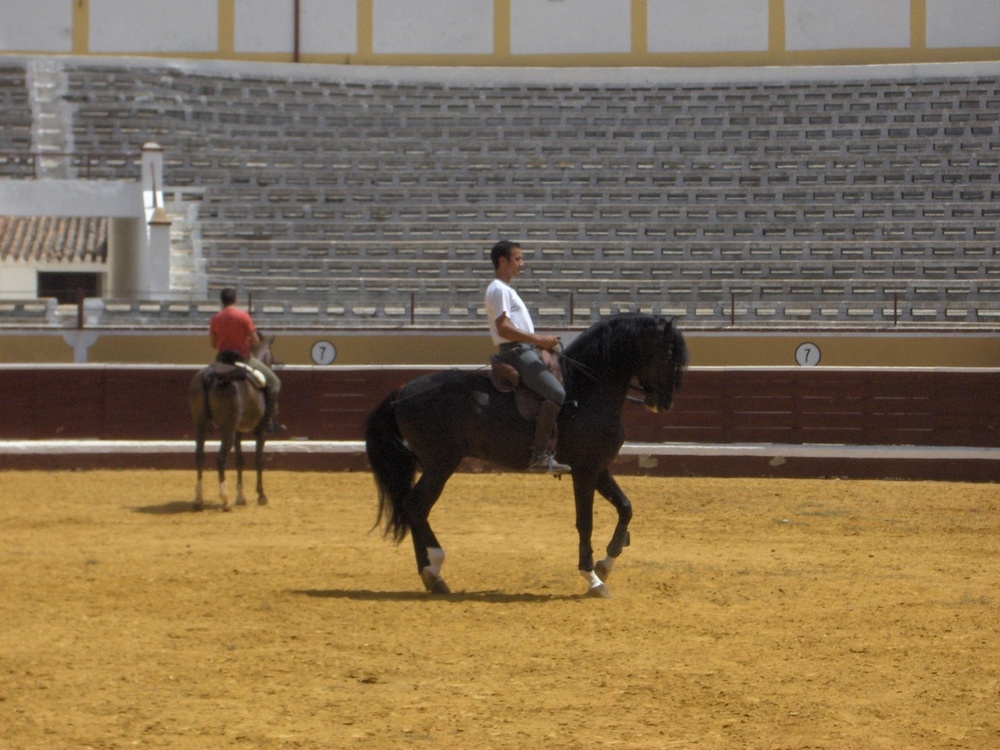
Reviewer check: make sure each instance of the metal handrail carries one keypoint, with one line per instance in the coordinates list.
(87, 158)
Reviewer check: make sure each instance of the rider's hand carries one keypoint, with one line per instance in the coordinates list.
(548, 342)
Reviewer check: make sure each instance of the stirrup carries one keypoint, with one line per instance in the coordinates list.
(546, 463)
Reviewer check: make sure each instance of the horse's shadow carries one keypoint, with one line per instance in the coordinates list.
(488, 597)
(174, 507)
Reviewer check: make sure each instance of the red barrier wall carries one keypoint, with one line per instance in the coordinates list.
(932, 407)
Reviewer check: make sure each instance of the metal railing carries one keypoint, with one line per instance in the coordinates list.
(84, 163)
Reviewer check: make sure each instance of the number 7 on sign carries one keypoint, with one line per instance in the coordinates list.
(807, 355)
(323, 353)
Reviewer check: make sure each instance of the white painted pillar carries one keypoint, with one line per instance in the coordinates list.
(156, 268)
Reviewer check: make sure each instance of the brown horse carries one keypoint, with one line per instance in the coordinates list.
(222, 395)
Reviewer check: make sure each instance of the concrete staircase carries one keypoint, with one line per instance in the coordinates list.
(52, 117)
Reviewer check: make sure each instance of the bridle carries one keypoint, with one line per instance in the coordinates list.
(590, 373)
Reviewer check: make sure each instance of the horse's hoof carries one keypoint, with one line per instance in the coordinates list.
(226, 508)
(439, 587)
(434, 584)
(241, 501)
(602, 570)
(599, 592)
(261, 500)
(198, 507)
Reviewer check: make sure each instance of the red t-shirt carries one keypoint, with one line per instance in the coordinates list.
(231, 328)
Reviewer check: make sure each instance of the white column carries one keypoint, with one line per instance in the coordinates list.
(156, 271)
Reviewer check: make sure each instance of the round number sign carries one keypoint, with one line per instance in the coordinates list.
(323, 353)
(807, 355)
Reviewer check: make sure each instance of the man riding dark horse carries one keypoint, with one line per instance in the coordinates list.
(234, 337)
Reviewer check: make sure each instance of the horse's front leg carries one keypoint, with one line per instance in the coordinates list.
(620, 539)
(583, 493)
(238, 447)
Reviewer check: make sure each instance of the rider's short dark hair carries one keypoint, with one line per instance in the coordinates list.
(502, 250)
(228, 296)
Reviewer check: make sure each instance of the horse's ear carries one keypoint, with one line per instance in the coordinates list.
(666, 325)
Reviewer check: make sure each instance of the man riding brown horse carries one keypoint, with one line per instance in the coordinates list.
(234, 336)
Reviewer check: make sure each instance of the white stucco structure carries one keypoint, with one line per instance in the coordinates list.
(489, 32)
(708, 25)
(963, 23)
(42, 25)
(568, 26)
(846, 24)
(327, 27)
(429, 26)
(143, 26)
(138, 244)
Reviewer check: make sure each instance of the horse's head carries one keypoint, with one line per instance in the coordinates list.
(663, 356)
(263, 352)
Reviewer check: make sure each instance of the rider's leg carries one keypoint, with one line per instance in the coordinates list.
(537, 376)
(271, 389)
(541, 459)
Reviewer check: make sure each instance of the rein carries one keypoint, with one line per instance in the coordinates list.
(592, 374)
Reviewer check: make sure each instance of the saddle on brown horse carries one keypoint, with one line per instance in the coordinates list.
(229, 366)
(505, 378)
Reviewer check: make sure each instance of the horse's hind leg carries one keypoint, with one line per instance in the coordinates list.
(620, 539)
(225, 443)
(429, 554)
(199, 462)
(261, 497)
(238, 449)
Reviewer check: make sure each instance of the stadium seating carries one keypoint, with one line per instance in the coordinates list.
(842, 202)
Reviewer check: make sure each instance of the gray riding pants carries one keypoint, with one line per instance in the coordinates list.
(534, 374)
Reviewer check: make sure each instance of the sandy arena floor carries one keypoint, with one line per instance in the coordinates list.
(746, 614)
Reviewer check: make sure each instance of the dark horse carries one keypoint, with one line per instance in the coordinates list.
(222, 395)
(433, 422)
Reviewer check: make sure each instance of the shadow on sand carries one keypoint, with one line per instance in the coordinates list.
(488, 597)
(173, 507)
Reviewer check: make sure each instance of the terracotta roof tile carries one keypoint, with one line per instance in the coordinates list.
(53, 239)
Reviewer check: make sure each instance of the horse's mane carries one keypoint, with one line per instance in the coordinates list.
(608, 349)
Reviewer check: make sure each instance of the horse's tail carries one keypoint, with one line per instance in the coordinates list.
(198, 401)
(393, 464)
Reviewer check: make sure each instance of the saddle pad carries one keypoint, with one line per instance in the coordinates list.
(256, 376)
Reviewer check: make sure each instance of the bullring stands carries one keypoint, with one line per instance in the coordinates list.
(333, 194)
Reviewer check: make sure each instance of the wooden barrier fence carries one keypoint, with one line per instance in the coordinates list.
(825, 408)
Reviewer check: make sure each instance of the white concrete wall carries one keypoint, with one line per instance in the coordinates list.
(326, 27)
(70, 198)
(432, 27)
(963, 23)
(582, 33)
(846, 24)
(708, 25)
(37, 26)
(127, 268)
(153, 26)
(570, 26)
(18, 281)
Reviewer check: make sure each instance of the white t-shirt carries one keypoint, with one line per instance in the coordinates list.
(501, 298)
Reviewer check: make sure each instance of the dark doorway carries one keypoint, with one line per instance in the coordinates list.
(65, 285)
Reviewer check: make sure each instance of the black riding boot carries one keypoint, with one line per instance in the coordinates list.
(271, 411)
(541, 460)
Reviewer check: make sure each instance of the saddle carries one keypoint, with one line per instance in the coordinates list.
(223, 369)
(505, 378)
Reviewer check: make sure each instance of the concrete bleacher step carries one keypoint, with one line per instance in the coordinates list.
(878, 179)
